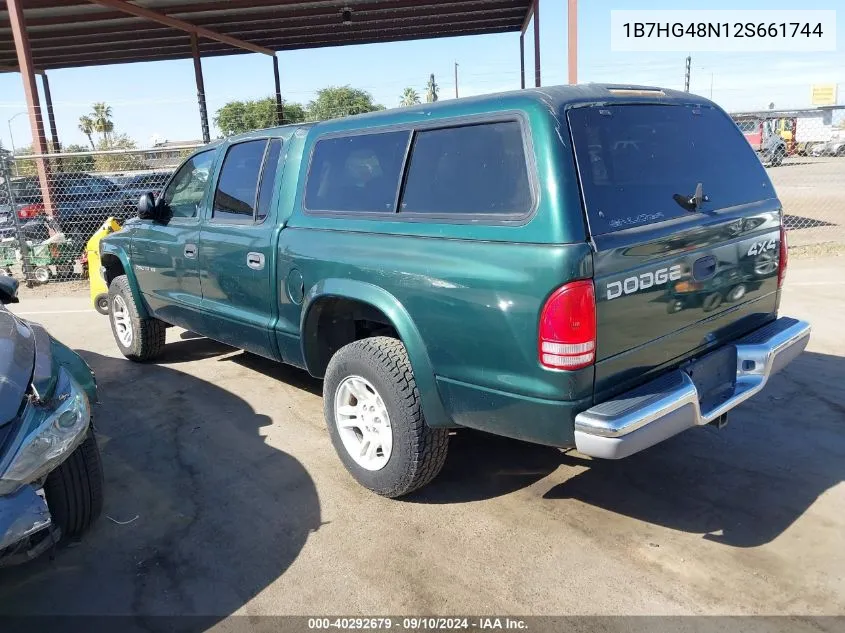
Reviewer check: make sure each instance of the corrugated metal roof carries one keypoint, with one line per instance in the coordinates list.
(71, 33)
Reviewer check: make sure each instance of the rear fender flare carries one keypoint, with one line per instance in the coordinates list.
(435, 413)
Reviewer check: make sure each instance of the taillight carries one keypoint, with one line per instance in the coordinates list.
(782, 257)
(567, 338)
(30, 211)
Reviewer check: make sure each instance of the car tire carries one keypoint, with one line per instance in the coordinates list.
(417, 452)
(145, 338)
(777, 157)
(74, 491)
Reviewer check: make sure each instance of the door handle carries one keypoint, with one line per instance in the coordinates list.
(255, 261)
(190, 251)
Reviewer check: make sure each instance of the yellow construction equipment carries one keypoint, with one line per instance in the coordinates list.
(99, 289)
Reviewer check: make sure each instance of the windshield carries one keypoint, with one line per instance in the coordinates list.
(641, 164)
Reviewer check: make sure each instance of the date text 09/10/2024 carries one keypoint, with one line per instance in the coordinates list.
(418, 623)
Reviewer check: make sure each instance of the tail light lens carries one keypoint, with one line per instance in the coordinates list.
(688, 286)
(783, 257)
(31, 211)
(567, 338)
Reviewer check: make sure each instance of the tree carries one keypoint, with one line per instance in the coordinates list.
(123, 161)
(86, 126)
(338, 101)
(431, 89)
(101, 117)
(242, 116)
(409, 97)
(83, 162)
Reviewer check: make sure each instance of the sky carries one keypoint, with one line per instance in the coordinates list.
(157, 100)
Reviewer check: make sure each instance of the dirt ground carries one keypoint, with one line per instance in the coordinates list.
(812, 191)
(224, 496)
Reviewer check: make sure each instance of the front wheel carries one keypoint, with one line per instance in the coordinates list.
(74, 491)
(138, 339)
(375, 419)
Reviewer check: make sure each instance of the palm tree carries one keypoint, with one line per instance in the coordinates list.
(86, 126)
(101, 115)
(431, 89)
(409, 97)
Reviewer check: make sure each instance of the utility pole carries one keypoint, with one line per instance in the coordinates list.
(456, 80)
(686, 76)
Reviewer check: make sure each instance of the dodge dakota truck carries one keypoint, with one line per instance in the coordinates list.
(596, 267)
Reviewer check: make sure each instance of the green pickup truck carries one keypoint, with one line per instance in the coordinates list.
(596, 267)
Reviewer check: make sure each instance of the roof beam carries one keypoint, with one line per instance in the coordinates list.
(213, 49)
(313, 25)
(161, 18)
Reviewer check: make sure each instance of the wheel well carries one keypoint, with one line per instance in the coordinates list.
(113, 266)
(337, 321)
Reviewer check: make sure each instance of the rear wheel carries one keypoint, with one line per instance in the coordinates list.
(74, 491)
(375, 419)
(137, 338)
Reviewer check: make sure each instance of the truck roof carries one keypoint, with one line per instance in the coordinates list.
(547, 97)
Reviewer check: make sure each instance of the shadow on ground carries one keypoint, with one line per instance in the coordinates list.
(741, 486)
(209, 514)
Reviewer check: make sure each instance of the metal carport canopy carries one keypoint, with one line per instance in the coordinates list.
(74, 33)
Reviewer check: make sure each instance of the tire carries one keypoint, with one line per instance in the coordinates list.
(777, 157)
(42, 274)
(146, 338)
(417, 452)
(101, 303)
(74, 491)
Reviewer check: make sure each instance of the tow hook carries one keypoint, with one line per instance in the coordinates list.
(720, 422)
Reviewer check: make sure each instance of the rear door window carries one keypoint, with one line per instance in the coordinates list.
(268, 179)
(472, 169)
(359, 173)
(640, 164)
(237, 188)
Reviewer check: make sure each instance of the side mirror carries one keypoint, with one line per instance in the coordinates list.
(147, 207)
(8, 289)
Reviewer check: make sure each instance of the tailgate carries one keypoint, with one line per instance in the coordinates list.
(686, 230)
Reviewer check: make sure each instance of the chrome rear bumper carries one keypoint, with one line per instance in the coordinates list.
(670, 404)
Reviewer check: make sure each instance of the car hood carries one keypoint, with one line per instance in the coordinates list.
(17, 358)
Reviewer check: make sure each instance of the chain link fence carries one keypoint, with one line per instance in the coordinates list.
(51, 205)
(804, 151)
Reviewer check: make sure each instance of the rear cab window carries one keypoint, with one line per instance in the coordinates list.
(640, 164)
(462, 171)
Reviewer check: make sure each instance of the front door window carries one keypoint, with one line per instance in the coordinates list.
(186, 191)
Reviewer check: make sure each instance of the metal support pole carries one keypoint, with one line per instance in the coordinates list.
(537, 81)
(30, 88)
(687, 74)
(195, 51)
(51, 117)
(572, 37)
(522, 60)
(456, 80)
(280, 110)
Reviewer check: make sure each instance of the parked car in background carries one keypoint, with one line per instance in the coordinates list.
(51, 477)
(136, 186)
(834, 147)
(82, 202)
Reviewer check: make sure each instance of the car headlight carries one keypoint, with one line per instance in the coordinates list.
(49, 433)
